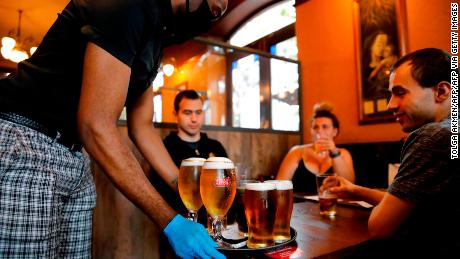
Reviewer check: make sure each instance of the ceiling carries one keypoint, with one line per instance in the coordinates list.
(38, 15)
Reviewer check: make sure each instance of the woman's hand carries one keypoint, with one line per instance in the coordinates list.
(325, 144)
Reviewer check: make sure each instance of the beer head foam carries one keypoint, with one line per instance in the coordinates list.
(281, 184)
(260, 186)
(218, 163)
(193, 161)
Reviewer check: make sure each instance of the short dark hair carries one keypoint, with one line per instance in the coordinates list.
(324, 110)
(187, 94)
(428, 66)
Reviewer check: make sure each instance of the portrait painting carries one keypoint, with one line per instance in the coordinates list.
(379, 47)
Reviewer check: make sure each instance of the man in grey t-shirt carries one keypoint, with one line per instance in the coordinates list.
(418, 215)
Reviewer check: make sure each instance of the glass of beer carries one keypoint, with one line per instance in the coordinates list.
(189, 185)
(327, 200)
(317, 146)
(284, 205)
(239, 206)
(260, 209)
(217, 188)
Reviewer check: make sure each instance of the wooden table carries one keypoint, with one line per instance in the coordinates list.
(319, 236)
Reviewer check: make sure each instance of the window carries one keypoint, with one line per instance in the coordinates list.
(256, 87)
(284, 80)
(241, 88)
(246, 92)
(262, 24)
(286, 48)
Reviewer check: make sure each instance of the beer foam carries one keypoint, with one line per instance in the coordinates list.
(218, 163)
(193, 161)
(281, 184)
(260, 186)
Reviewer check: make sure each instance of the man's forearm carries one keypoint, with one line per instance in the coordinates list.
(121, 166)
(152, 148)
(369, 195)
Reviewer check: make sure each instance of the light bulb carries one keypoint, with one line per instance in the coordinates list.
(168, 69)
(32, 50)
(18, 55)
(6, 53)
(8, 43)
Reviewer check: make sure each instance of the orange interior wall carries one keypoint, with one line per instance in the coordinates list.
(326, 42)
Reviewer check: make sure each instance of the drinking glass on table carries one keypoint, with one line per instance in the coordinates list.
(217, 188)
(189, 185)
(327, 200)
(284, 206)
(239, 206)
(260, 202)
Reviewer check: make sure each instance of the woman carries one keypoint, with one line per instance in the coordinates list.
(303, 162)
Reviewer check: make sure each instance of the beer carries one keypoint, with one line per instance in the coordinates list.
(284, 205)
(217, 186)
(327, 206)
(217, 189)
(189, 185)
(260, 209)
(317, 147)
(327, 200)
(239, 207)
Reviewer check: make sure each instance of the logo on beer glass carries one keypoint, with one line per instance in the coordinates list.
(222, 182)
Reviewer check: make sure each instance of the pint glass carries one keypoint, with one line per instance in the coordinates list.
(260, 209)
(239, 206)
(189, 185)
(217, 188)
(284, 205)
(327, 200)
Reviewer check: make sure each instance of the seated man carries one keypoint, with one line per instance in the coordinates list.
(417, 216)
(187, 142)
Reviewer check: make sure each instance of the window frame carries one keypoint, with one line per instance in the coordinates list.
(264, 89)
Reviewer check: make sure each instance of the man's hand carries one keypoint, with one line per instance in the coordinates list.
(344, 190)
(190, 239)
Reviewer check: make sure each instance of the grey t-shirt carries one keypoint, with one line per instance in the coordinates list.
(429, 179)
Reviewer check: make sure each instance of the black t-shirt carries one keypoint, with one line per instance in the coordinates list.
(46, 87)
(179, 150)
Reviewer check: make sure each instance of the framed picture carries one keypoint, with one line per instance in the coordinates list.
(380, 37)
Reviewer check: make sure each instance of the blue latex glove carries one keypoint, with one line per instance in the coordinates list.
(190, 239)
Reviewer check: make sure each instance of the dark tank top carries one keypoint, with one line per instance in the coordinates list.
(304, 180)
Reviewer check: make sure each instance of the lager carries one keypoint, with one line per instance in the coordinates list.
(327, 200)
(189, 184)
(239, 206)
(327, 206)
(217, 189)
(284, 205)
(260, 209)
(218, 185)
